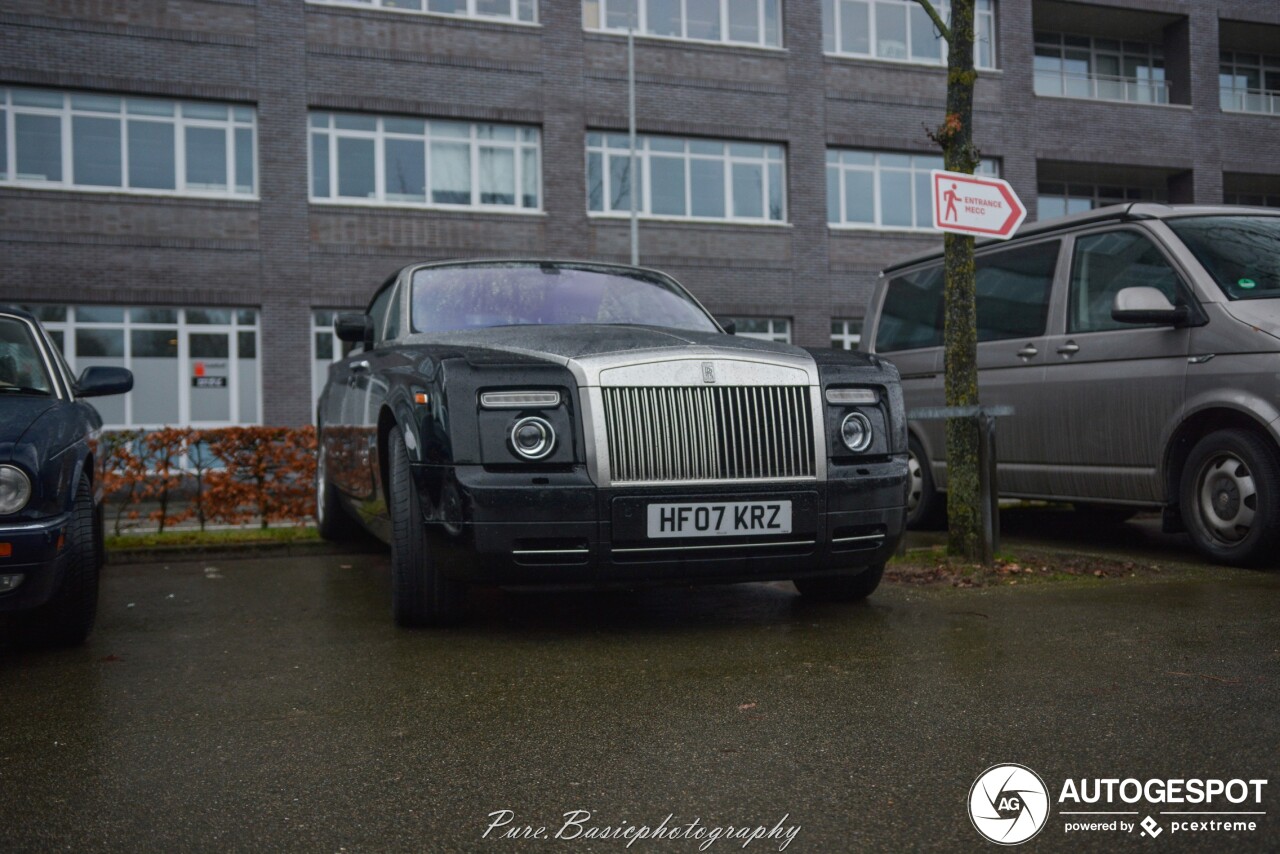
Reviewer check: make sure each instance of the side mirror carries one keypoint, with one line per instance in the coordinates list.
(728, 326)
(1147, 305)
(356, 328)
(99, 381)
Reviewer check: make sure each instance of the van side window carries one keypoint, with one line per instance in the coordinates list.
(912, 314)
(1106, 263)
(1013, 288)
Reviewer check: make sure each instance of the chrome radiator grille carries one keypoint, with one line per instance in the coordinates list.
(686, 433)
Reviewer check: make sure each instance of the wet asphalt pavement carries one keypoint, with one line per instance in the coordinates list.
(262, 705)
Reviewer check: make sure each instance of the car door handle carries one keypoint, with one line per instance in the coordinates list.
(1069, 349)
(1028, 351)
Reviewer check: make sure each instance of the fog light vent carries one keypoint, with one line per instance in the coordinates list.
(10, 582)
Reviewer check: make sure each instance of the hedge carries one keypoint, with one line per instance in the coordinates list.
(227, 475)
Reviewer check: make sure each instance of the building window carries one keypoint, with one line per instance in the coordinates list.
(752, 22)
(1249, 82)
(522, 11)
(1101, 69)
(389, 160)
(1257, 200)
(695, 179)
(196, 367)
(326, 348)
(883, 190)
(846, 334)
(88, 141)
(1055, 200)
(764, 328)
(901, 30)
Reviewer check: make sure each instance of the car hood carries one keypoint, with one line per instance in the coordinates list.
(18, 413)
(562, 344)
(1263, 314)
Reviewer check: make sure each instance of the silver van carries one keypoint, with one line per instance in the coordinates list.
(1139, 346)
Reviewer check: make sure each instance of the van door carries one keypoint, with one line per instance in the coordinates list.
(1014, 286)
(1113, 387)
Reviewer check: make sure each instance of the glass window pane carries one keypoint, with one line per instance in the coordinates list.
(416, 127)
(246, 317)
(497, 176)
(1013, 288)
(702, 146)
(833, 195)
(244, 160)
(855, 27)
(450, 173)
(777, 195)
(924, 200)
(95, 151)
(895, 199)
(529, 178)
(772, 23)
(667, 185)
(926, 44)
(247, 344)
(151, 155)
(324, 346)
(193, 110)
(746, 149)
(704, 19)
(452, 130)
(620, 184)
(664, 17)
(95, 103)
(502, 132)
(621, 13)
(448, 7)
(37, 147)
(406, 170)
(891, 30)
(495, 8)
(348, 121)
(859, 196)
(206, 158)
(148, 107)
(36, 98)
(320, 165)
(829, 26)
(748, 190)
(154, 343)
(355, 168)
(209, 316)
(99, 314)
(707, 187)
(153, 315)
(92, 343)
(526, 10)
(595, 182)
(744, 21)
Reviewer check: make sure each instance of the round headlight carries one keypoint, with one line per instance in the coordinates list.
(533, 438)
(15, 490)
(855, 432)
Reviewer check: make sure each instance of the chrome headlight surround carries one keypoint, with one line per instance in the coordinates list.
(532, 438)
(15, 489)
(855, 432)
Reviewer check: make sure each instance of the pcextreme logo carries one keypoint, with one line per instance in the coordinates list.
(1008, 804)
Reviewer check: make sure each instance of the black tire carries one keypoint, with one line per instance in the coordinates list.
(67, 618)
(841, 588)
(333, 522)
(420, 594)
(1104, 515)
(1230, 498)
(926, 507)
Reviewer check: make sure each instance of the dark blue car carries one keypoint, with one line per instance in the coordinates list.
(50, 508)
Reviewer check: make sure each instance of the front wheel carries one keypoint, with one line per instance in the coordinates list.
(841, 588)
(67, 618)
(1230, 498)
(926, 509)
(420, 593)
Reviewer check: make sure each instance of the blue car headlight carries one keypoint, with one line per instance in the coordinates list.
(15, 489)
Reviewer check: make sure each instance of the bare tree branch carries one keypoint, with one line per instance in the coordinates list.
(932, 12)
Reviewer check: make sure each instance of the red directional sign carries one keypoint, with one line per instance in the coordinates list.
(969, 204)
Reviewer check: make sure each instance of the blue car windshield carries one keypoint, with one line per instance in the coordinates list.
(22, 370)
(471, 297)
(1241, 253)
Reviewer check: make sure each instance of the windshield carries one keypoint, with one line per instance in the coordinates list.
(449, 298)
(1241, 253)
(22, 370)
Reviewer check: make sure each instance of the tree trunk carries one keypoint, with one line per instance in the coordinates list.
(964, 514)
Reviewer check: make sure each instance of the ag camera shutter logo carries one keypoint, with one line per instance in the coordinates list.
(1008, 804)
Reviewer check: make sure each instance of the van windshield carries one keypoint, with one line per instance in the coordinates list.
(1241, 253)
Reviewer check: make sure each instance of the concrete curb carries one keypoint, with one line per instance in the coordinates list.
(240, 551)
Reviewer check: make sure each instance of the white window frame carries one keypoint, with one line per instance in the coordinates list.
(773, 155)
(919, 169)
(470, 12)
(1152, 55)
(320, 328)
(601, 24)
(984, 27)
(518, 147)
(779, 328)
(239, 117)
(846, 333)
(127, 325)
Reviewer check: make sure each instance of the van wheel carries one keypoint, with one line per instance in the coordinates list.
(926, 510)
(841, 588)
(420, 593)
(1230, 495)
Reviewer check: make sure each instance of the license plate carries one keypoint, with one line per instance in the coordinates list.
(719, 519)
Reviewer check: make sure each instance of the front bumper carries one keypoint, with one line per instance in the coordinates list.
(541, 529)
(38, 552)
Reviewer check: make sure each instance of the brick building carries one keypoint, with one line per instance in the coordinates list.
(193, 186)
